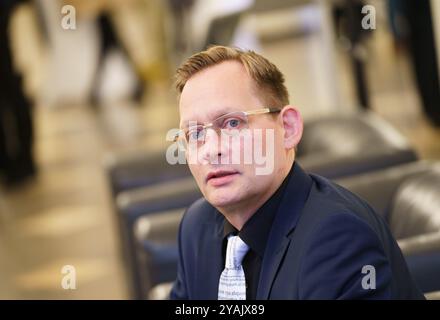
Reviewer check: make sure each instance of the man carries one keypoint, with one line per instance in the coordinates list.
(283, 235)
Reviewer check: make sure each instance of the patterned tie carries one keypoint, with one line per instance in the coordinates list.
(232, 285)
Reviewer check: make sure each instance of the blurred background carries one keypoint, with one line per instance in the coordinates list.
(86, 100)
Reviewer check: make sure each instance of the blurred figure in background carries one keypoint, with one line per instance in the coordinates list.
(109, 40)
(137, 28)
(16, 127)
(348, 25)
(133, 28)
(412, 25)
(130, 35)
(180, 10)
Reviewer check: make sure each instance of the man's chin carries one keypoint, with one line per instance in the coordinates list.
(220, 199)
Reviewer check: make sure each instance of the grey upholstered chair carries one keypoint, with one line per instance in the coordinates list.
(156, 248)
(134, 204)
(408, 198)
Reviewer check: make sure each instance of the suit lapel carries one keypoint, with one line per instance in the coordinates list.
(271, 264)
(286, 218)
(211, 263)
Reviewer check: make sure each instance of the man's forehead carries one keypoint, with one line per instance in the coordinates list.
(215, 91)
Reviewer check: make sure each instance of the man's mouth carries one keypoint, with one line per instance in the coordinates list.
(221, 177)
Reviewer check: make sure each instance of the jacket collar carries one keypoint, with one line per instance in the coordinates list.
(210, 265)
(285, 221)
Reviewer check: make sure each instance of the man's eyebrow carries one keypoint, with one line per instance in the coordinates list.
(211, 116)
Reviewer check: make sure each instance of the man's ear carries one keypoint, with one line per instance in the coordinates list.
(293, 126)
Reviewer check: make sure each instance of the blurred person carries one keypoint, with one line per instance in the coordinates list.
(142, 27)
(134, 28)
(180, 10)
(348, 19)
(281, 234)
(16, 126)
(412, 26)
(110, 41)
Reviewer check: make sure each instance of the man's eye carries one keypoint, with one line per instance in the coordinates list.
(195, 134)
(233, 123)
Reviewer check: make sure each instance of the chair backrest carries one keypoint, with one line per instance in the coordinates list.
(131, 171)
(160, 227)
(349, 134)
(416, 205)
(378, 188)
(156, 237)
(342, 145)
(159, 197)
(131, 205)
(134, 204)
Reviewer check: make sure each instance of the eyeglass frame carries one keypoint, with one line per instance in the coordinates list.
(266, 110)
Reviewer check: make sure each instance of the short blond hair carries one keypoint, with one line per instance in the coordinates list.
(265, 74)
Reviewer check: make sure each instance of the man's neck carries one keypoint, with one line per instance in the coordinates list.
(238, 214)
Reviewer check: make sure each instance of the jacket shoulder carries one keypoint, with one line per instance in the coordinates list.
(335, 199)
(197, 214)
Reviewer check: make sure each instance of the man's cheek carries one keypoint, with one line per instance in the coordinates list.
(191, 156)
(195, 171)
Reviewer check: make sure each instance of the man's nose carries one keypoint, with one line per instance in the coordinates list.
(212, 150)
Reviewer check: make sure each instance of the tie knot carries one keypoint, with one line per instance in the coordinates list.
(235, 252)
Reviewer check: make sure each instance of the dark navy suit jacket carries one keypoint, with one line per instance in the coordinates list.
(323, 244)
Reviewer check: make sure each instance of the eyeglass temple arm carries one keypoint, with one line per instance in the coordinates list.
(265, 110)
